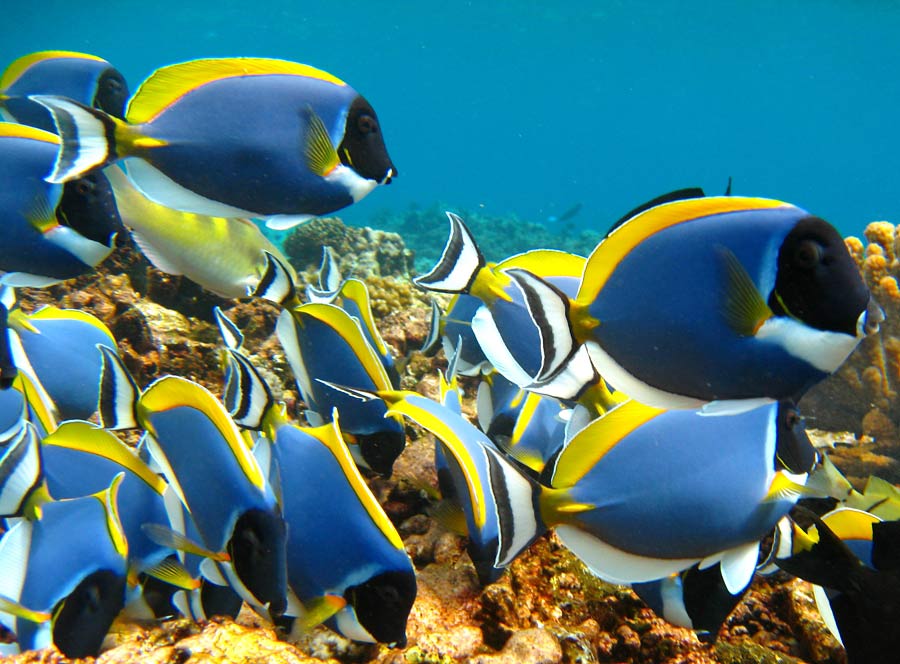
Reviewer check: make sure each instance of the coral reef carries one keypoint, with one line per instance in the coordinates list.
(498, 236)
(362, 251)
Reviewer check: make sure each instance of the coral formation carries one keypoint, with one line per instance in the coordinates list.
(362, 251)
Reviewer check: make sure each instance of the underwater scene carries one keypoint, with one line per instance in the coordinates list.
(450, 332)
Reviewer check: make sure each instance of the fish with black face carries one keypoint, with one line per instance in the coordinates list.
(80, 622)
(85, 78)
(382, 605)
(231, 503)
(719, 299)
(51, 232)
(234, 137)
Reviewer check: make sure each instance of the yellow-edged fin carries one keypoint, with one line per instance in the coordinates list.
(802, 540)
(173, 391)
(16, 609)
(54, 313)
(850, 524)
(744, 307)
(14, 72)
(40, 403)
(321, 157)
(349, 330)
(596, 439)
(109, 498)
(173, 573)
(87, 437)
(165, 536)
(446, 435)
(13, 130)
(607, 255)
(547, 263)
(167, 85)
(318, 610)
(41, 214)
(356, 290)
(784, 488)
(330, 436)
(18, 320)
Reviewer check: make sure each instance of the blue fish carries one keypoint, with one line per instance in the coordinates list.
(215, 476)
(497, 500)
(79, 76)
(715, 299)
(292, 142)
(64, 574)
(502, 325)
(352, 295)
(58, 349)
(326, 349)
(359, 569)
(51, 232)
(641, 493)
(538, 433)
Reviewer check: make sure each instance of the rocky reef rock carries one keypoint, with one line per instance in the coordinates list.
(362, 252)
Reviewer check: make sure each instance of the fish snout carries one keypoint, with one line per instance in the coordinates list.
(871, 319)
(390, 175)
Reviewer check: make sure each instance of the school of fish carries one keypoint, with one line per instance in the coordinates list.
(641, 402)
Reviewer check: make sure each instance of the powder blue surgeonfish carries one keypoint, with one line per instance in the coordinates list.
(64, 574)
(328, 350)
(216, 477)
(234, 137)
(79, 76)
(358, 574)
(710, 299)
(51, 232)
(499, 318)
(641, 493)
(58, 349)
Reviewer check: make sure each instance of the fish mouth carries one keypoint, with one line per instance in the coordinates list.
(870, 320)
(390, 175)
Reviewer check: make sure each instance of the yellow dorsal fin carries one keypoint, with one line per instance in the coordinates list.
(54, 313)
(330, 436)
(173, 391)
(596, 439)
(13, 130)
(547, 263)
(87, 437)
(607, 255)
(356, 290)
(26, 62)
(168, 84)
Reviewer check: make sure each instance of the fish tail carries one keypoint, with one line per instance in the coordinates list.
(459, 264)
(90, 138)
(276, 284)
(550, 311)
(119, 393)
(820, 557)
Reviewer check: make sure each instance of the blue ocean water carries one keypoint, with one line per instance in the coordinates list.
(530, 107)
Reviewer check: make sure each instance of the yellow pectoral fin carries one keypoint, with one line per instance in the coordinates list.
(744, 307)
(173, 573)
(16, 609)
(321, 157)
(319, 610)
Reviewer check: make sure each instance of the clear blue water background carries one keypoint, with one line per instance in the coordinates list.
(531, 107)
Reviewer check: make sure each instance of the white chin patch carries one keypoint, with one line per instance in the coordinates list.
(358, 186)
(826, 351)
(349, 626)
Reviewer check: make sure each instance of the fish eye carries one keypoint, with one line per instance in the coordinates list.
(366, 124)
(792, 418)
(809, 253)
(84, 187)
